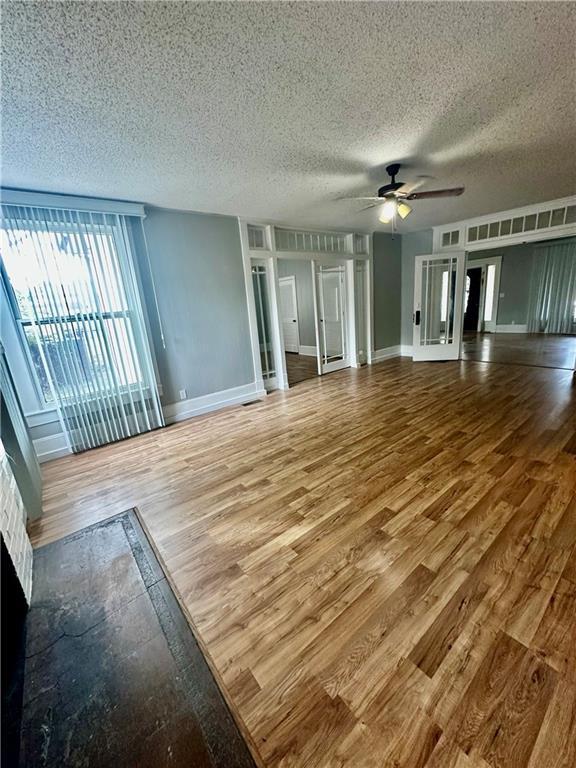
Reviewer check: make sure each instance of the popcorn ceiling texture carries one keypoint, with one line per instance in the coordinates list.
(274, 110)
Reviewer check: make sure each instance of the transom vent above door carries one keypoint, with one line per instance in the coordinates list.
(514, 226)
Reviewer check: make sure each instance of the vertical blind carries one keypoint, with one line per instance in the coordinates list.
(552, 302)
(76, 296)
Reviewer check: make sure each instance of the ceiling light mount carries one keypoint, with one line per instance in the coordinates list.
(392, 171)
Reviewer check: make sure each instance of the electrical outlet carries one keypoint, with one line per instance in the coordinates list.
(182, 394)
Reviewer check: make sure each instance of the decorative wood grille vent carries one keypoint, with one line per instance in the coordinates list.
(532, 222)
(360, 244)
(256, 238)
(450, 238)
(310, 242)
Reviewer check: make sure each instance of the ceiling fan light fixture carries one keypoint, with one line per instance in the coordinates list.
(387, 212)
(403, 209)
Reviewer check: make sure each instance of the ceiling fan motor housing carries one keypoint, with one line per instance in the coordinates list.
(387, 188)
(394, 185)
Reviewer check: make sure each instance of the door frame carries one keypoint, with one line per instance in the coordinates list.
(267, 253)
(292, 280)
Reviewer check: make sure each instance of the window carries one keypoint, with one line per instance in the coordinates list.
(69, 299)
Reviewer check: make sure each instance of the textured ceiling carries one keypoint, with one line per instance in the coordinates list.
(275, 110)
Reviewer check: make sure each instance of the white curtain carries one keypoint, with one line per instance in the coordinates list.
(552, 304)
(76, 295)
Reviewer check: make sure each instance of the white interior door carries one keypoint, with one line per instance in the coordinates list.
(289, 311)
(438, 305)
(331, 323)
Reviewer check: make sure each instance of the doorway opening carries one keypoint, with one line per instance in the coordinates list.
(532, 299)
(472, 299)
(309, 302)
(296, 288)
(516, 306)
(313, 310)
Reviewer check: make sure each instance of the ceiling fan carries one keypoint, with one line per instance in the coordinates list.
(393, 200)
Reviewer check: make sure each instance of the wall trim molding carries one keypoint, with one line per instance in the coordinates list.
(51, 447)
(309, 351)
(195, 406)
(40, 418)
(513, 328)
(399, 350)
(383, 354)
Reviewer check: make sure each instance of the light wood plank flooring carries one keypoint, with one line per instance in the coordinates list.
(300, 368)
(543, 349)
(381, 563)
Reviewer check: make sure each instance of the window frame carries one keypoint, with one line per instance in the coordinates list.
(98, 315)
(20, 332)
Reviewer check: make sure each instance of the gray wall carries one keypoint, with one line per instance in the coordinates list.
(302, 271)
(387, 291)
(196, 261)
(413, 244)
(515, 276)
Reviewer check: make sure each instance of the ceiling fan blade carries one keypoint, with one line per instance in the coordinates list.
(381, 199)
(410, 187)
(435, 193)
(367, 207)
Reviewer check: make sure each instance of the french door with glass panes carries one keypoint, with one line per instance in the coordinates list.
(330, 311)
(438, 299)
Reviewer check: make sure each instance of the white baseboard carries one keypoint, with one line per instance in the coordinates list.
(205, 403)
(51, 447)
(513, 328)
(55, 446)
(307, 350)
(383, 354)
(400, 350)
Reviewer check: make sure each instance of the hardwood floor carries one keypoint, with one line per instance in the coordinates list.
(300, 368)
(539, 349)
(381, 563)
